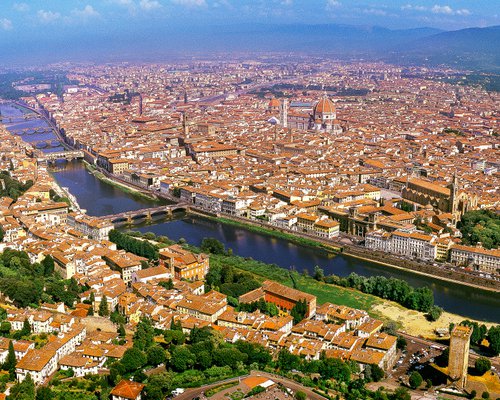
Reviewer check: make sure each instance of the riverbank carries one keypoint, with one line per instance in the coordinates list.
(357, 252)
(422, 269)
(277, 233)
(115, 183)
(412, 322)
(415, 323)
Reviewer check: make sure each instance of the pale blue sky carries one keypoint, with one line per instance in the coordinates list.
(92, 23)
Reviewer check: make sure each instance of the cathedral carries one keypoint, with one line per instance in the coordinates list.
(446, 199)
(322, 117)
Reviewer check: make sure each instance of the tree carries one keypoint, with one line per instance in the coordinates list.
(480, 226)
(482, 365)
(299, 311)
(121, 331)
(377, 373)
(288, 361)
(204, 359)
(299, 395)
(400, 394)
(156, 355)
(144, 334)
(103, 307)
(44, 393)
(255, 352)
(212, 245)
(176, 337)
(10, 362)
(158, 385)
(133, 359)
(335, 368)
(168, 284)
(5, 327)
(24, 390)
(434, 313)
(401, 343)
(230, 356)
(48, 265)
(200, 334)
(92, 302)
(319, 274)
(182, 359)
(494, 339)
(485, 395)
(26, 330)
(415, 380)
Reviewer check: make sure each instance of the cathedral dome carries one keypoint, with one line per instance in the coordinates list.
(324, 106)
(274, 104)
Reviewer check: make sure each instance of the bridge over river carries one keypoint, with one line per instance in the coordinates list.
(67, 155)
(145, 214)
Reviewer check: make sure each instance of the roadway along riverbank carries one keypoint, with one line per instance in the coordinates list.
(359, 252)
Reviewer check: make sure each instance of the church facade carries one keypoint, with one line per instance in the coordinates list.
(446, 199)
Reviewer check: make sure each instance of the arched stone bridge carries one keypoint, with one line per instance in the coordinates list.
(59, 155)
(145, 214)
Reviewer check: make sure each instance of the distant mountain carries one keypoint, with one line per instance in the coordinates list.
(475, 48)
(322, 38)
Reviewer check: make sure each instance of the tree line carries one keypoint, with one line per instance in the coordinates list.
(139, 247)
(10, 187)
(420, 299)
(29, 284)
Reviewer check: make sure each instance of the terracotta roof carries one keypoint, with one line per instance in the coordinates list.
(128, 389)
(325, 105)
(286, 292)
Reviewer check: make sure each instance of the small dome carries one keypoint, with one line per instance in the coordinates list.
(274, 103)
(325, 106)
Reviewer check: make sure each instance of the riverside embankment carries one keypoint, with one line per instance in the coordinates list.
(100, 198)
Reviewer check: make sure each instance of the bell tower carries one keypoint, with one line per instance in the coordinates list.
(284, 113)
(453, 194)
(185, 126)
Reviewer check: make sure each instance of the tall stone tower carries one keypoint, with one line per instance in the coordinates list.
(459, 354)
(284, 113)
(453, 194)
(185, 124)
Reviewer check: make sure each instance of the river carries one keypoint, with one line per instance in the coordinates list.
(18, 124)
(100, 198)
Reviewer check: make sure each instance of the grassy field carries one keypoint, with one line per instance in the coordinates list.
(335, 294)
(324, 292)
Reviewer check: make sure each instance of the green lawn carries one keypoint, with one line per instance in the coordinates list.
(335, 294)
(324, 292)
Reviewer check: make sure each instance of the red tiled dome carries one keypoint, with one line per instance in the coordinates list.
(325, 106)
(274, 103)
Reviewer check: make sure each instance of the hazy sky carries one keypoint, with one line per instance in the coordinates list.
(60, 23)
